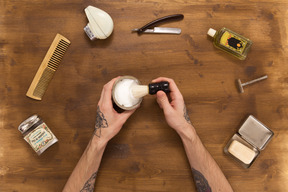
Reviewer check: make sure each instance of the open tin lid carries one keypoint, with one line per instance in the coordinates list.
(255, 132)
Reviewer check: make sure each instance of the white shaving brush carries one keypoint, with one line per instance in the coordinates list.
(139, 91)
(127, 92)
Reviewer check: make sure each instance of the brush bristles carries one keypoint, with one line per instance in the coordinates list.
(139, 91)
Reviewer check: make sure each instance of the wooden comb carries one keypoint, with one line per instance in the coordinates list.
(48, 67)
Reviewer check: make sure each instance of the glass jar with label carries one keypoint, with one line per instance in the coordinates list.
(231, 42)
(37, 134)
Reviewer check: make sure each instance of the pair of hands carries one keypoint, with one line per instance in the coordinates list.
(109, 122)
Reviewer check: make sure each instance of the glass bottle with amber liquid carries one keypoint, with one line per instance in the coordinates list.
(231, 42)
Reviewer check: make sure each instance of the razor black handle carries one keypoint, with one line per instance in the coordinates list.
(161, 86)
(160, 20)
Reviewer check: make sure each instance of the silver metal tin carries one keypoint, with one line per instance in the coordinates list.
(255, 133)
(252, 134)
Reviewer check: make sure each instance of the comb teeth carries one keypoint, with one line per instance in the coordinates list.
(58, 54)
(48, 67)
(42, 85)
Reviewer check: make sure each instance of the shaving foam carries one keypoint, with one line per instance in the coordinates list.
(123, 94)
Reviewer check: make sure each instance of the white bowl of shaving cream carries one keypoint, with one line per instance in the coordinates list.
(122, 95)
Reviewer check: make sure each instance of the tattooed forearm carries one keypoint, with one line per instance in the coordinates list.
(186, 116)
(101, 122)
(89, 185)
(200, 181)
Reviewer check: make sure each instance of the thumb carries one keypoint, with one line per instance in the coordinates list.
(163, 101)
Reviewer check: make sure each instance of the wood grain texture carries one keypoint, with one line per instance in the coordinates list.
(146, 155)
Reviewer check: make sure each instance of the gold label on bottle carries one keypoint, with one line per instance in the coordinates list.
(233, 42)
(39, 137)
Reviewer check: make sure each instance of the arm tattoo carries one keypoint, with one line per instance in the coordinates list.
(101, 122)
(90, 183)
(200, 181)
(186, 116)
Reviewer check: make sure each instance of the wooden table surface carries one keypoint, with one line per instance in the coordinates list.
(146, 155)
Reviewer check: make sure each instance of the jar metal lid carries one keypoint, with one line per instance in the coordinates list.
(28, 123)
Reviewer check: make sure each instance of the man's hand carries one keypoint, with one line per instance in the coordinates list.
(108, 121)
(108, 124)
(207, 174)
(175, 111)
